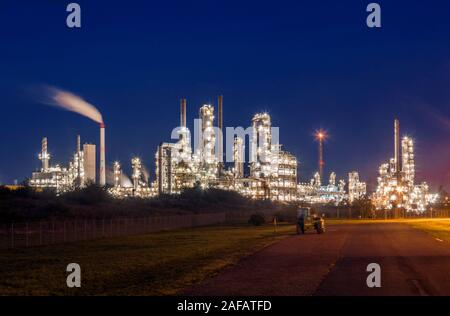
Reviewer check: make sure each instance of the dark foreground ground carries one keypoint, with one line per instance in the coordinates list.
(412, 263)
(160, 263)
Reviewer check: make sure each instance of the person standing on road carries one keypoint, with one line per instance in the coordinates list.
(301, 223)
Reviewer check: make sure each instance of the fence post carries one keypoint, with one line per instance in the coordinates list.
(12, 235)
(26, 235)
(40, 233)
(53, 231)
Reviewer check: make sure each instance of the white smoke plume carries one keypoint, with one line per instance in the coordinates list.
(71, 102)
(124, 179)
(126, 182)
(145, 173)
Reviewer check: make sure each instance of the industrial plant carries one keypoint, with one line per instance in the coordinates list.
(271, 172)
(396, 188)
(80, 171)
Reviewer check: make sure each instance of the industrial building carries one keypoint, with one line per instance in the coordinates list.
(271, 172)
(396, 188)
(80, 171)
(356, 188)
(317, 193)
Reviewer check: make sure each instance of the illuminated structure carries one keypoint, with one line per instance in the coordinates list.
(117, 175)
(320, 137)
(316, 193)
(271, 171)
(356, 189)
(396, 188)
(238, 157)
(175, 167)
(102, 177)
(283, 184)
(206, 160)
(81, 170)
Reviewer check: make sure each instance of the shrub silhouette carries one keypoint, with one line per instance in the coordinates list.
(90, 195)
(256, 219)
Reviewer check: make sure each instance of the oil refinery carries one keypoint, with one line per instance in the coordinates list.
(396, 188)
(271, 172)
(80, 171)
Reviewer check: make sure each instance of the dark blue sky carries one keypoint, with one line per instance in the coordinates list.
(310, 64)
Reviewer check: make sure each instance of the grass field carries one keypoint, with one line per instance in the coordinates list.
(438, 227)
(154, 264)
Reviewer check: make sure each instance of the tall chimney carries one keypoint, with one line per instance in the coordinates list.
(44, 156)
(397, 146)
(183, 112)
(102, 155)
(78, 144)
(220, 138)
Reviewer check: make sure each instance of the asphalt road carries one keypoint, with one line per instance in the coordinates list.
(412, 263)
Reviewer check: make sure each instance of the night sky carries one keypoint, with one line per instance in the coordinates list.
(310, 64)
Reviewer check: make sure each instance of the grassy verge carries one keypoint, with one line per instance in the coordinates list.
(380, 221)
(437, 227)
(362, 221)
(154, 264)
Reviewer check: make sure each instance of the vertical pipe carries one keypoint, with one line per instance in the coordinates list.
(321, 162)
(160, 171)
(220, 138)
(183, 119)
(183, 112)
(78, 154)
(169, 171)
(397, 145)
(44, 154)
(102, 155)
(78, 144)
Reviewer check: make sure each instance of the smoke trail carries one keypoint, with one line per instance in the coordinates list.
(71, 102)
(440, 119)
(145, 173)
(124, 180)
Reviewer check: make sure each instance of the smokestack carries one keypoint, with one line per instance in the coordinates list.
(397, 146)
(183, 112)
(78, 144)
(220, 138)
(44, 154)
(102, 155)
